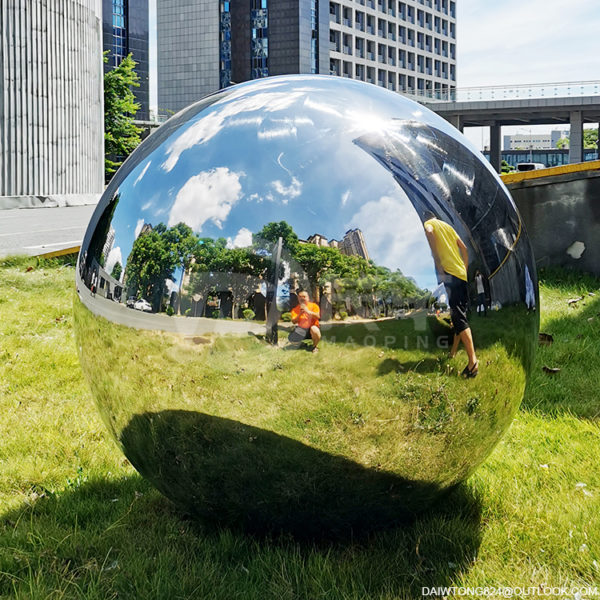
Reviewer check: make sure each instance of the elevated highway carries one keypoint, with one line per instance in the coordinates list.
(547, 104)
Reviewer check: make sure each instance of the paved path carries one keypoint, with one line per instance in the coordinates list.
(40, 230)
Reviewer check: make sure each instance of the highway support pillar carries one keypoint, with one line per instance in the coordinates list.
(576, 137)
(495, 151)
(457, 121)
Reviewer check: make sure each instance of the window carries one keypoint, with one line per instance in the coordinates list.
(119, 30)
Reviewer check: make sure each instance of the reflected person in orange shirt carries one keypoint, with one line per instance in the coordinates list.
(306, 318)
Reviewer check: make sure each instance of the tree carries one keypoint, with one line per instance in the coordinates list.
(121, 135)
(184, 243)
(590, 140)
(269, 235)
(563, 143)
(152, 261)
(505, 167)
(117, 270)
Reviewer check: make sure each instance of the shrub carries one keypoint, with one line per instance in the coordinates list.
(188, 312)
(249, 314)
(286, 316)
(170, 311)
(343, 315)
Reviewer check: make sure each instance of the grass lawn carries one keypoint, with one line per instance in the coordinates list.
(77, 521)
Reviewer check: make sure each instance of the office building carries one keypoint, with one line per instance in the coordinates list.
(352, 244)
(407, 46)
(205, 45)
(125, 30)
(538, 141)
(51, 102)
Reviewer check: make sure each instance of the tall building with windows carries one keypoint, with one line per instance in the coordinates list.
(51, 117)
(406, 46)
(125, 30)
(203, 45)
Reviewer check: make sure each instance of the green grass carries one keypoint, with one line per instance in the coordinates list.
(76, 521)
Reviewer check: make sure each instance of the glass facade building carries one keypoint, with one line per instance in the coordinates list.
(402, 45)
(125, 30)
(259, 52)
(225, 44)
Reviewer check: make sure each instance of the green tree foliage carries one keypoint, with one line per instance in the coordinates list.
(505, 167)
(121, 135)
(269, 235)
(214, 268)
(153, 259)
(117, 270)
(590, 140)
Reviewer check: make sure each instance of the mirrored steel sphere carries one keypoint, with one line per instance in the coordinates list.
(306, 304)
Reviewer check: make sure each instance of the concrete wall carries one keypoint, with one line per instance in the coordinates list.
(562, 217)
(51, 103)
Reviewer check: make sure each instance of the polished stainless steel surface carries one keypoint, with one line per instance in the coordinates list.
(241, 221)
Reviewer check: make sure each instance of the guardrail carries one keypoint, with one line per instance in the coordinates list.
(515, 92)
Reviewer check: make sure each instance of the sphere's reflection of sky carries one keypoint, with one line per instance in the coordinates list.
(274, 154)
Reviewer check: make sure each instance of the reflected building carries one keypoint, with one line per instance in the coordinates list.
(110, 242)
(352, 244)
(125, 30)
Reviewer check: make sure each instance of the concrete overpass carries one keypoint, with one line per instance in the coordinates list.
(548, 104)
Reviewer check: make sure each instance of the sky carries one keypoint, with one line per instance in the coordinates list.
(526, 42)
(507, 43)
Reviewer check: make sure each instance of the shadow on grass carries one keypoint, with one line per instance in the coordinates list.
(256, 481)
(425, 365)
(104, 539)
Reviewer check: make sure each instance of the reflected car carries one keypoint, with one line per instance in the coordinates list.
(130, 301)
(143, 305)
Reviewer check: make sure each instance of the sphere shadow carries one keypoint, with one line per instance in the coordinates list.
(253, 480)
(138, 529)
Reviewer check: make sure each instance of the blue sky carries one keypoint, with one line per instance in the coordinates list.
(511, 42)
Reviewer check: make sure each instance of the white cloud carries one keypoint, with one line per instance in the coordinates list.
(141, 175)
(345, 197)
(395, 238)
(208, 196)
(227, 110)
(114, 257)
(288, 192)
(243, 239)
(138, 227)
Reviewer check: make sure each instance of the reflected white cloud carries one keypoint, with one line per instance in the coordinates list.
(275, 133)
(243, 239)
(208, 196)
(138, 228)
(395, 238)
(141, 175)
(227, 111)
(115, 256)
(288, 192)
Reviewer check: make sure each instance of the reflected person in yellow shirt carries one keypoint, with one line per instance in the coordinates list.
(451, 259)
